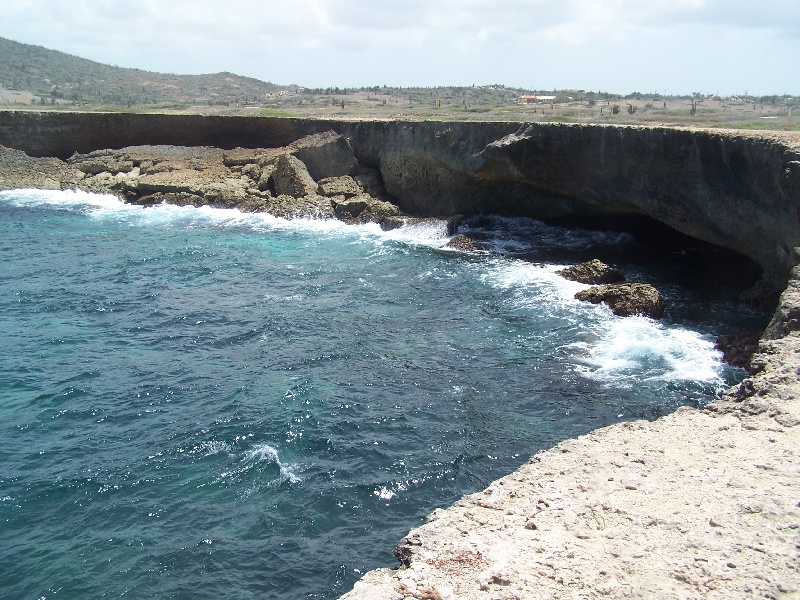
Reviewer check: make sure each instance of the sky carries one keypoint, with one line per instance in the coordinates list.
(723, 47)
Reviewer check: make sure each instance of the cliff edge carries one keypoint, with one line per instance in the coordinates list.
(698, 504)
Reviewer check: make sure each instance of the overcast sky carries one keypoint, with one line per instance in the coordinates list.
(669, 46)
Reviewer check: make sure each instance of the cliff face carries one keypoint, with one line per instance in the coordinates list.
(741, 192)
(738, 192)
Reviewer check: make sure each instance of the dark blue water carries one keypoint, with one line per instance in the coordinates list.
(196, 403)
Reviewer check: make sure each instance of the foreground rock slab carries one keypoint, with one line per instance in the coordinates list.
(694, 505)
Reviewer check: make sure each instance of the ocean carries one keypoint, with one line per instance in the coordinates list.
(202, 403)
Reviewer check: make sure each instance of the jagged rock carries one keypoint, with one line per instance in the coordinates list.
(265, 181)
(626, 299)
(366, 209)
(349, 210)
(379, 211)
(344, 186)
(292, 177)
(251, 170)
(94, 166)
(465, 243)
(312, 206)
(18, 170)
(593, 272)
(239, 157)
(738, 349)
(370, 180)
(325, 155)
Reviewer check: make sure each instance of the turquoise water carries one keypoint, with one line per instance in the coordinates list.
(197, 403)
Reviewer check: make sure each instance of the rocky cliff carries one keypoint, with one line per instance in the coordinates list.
(739, 191)
(696, 503)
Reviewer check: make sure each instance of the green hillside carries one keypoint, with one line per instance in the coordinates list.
(53, 75)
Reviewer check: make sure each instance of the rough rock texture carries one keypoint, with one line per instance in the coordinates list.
(344, 186)
(592, 272)
(693, 505)
(292, 178)
(698, 504)
(775, 365)
(325, 154)
(464, 243)
(254, 180)
(738, 190)
(18, 170)
(626, 299)
(738, 348)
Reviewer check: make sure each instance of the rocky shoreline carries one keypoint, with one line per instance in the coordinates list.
(315, 177)
(699, 504)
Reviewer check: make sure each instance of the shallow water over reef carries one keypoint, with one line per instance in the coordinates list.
(203, 403)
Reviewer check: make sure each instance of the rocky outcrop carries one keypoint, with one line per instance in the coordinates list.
(18, 170)
(292, 178)
(626, 299)
(773, 387)
(738, 348)
(592, 272)
(272, 180)
(737, 190)
(464, 243)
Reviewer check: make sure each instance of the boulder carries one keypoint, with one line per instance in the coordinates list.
(626, 299)
(593, 272)
(325, 155)
(738, 348)
(366, 209)
(265, 181)
(464, 243)
(292, 178)
(339, 186)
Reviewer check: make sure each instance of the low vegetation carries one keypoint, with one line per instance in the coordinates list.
(35, 78)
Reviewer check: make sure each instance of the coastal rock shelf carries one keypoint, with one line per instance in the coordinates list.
(738, 190)
(702, 503)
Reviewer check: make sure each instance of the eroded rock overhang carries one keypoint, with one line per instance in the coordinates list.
(737, 190)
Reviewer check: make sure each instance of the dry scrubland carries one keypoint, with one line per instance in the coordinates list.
(481, 103)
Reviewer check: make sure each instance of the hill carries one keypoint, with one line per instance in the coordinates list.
(54, 76)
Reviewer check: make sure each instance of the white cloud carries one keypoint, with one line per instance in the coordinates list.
(616, 44)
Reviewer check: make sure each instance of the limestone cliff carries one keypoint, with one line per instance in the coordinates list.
(739, 191)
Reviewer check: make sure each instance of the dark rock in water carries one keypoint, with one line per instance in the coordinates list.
(292, 177)
(312, 206)
(177, 198)
(738, 348)
(464, 243)
(593, 272)
(366, 209)
(626, 299)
